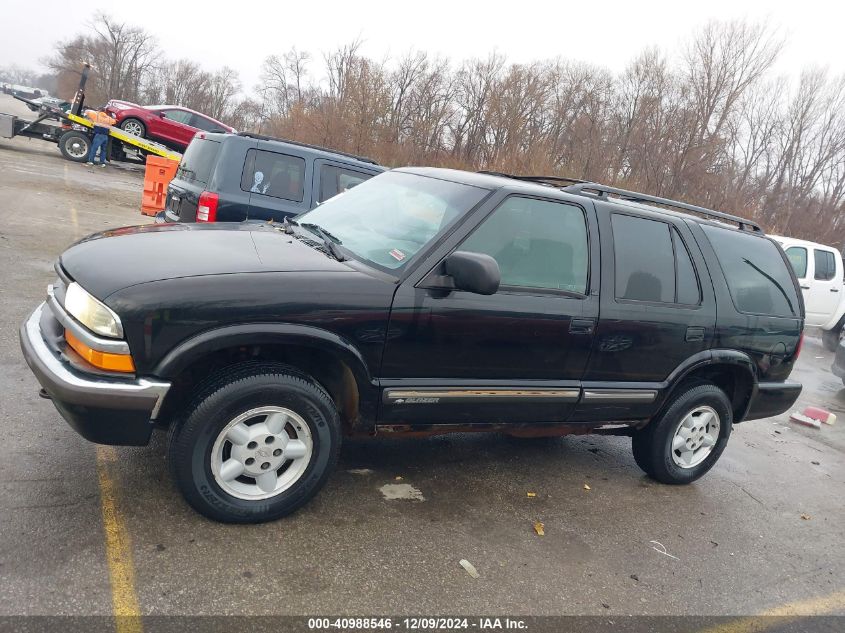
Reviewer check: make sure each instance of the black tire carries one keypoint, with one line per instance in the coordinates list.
(220, 399)
(652, 446)
(830, 338)
(75, 146)
(131, 120)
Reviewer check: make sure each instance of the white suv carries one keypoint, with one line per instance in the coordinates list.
(820, 275)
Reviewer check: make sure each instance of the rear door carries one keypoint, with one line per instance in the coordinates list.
(332, 178)
(275, 182)
(657, 310)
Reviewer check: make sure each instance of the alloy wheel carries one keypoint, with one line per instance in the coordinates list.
(695, 437)
(261, 453)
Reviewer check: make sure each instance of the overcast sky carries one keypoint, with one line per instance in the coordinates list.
(607, 33)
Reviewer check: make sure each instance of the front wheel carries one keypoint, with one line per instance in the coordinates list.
(685, 441)
(134, 126)
(259, 441)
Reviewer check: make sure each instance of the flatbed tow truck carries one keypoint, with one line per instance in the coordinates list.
(73, 134)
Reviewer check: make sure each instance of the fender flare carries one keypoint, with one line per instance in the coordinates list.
(191, 349)
(710, 358)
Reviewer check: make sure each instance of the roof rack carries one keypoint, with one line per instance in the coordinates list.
(262, 137)
(603, 191)
(549, 180)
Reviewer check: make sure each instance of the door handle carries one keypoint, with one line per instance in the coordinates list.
(805, 287)
(694, 334)
(834, 289)
(581, 326)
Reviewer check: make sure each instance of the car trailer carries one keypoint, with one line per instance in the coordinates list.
(73, 135)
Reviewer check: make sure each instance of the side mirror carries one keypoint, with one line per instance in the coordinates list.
(473, 272)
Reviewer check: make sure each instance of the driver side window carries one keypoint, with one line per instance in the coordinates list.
(537, 244)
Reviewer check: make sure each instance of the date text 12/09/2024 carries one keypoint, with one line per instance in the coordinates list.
(417, 624)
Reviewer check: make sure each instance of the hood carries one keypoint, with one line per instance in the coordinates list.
(106, 262)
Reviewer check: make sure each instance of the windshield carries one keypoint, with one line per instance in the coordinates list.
(388, 219)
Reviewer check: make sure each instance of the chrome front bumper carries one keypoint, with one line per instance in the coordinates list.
(103, 408)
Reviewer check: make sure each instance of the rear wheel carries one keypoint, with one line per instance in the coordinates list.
(687, 439)
(75, 146)
(259, 441)
(134, 126)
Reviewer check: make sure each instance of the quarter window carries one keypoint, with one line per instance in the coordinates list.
(757, 276)
(537, 244)
(273, 174)
(825, 265)
(797, 256)
(335, 180)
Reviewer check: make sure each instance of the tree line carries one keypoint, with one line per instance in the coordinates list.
(714, 126)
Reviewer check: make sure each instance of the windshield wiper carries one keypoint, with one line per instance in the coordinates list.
(773, 280)
(331, 242)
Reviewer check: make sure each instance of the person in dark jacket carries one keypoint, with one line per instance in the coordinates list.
(102, 123)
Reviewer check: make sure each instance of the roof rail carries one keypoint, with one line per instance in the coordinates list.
(549, 180)
(262, 137)
(603, 191)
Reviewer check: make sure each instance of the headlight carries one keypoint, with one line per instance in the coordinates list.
(91, 313)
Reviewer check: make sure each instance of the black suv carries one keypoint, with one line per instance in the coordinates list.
(235, 177)
(421, 301)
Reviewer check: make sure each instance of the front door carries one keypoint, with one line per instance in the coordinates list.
(515, 356)
(821, 301)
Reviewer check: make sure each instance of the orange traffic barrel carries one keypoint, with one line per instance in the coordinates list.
(160, 171)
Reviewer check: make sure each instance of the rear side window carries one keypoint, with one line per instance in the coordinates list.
(759, 280)
(797, 256)
(273, 174)
(825, 265)
(204, 124)
(180, 116)
(198, 161)
(335, 180)
(652, 262)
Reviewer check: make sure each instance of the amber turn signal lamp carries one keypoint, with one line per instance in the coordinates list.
(101, 360)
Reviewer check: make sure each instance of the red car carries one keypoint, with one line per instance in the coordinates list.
(174, 126)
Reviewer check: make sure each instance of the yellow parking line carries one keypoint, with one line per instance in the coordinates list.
(811, 606)
(821, 605)
(118, 548)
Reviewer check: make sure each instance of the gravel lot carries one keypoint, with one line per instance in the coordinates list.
(733, 543)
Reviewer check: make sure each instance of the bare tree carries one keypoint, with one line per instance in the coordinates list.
(716, 129)
(121, 57)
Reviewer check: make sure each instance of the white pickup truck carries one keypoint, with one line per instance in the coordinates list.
(820, 275)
